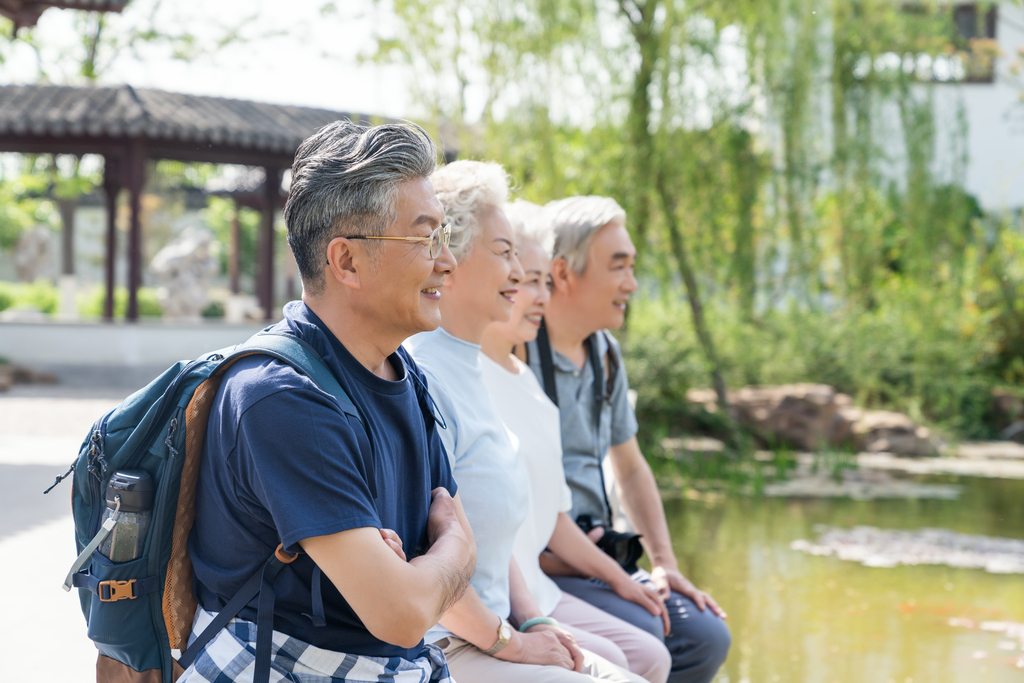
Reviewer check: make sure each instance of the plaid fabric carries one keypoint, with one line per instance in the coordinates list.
(231, 656)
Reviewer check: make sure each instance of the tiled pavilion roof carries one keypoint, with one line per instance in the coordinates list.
(26, 12)
(174, 125)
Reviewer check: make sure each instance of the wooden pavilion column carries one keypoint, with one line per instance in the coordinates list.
(271, 198)
(112, 188)
(236, 245)
(135, 178)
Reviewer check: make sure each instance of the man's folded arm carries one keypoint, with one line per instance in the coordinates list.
(399, 601)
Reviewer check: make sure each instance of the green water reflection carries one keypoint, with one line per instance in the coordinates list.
(800, 618)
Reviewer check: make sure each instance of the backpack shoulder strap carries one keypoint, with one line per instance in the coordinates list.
(301, 356)
(603, 393)
(304, 358)
(547, 363)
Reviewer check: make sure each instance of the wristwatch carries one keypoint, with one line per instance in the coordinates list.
(504, 636)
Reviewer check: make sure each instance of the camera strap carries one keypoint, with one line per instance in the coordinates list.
(603, 385)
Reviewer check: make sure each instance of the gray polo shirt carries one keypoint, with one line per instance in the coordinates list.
(586, 436)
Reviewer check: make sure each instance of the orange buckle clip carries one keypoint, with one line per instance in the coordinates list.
(283, 556)
(117, 590)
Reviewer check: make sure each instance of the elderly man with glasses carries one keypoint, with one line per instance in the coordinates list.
(367, 501)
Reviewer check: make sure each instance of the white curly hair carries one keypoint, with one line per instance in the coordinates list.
(467, 189)
(530, 224)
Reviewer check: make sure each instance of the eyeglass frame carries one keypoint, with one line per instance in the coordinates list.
(443, 231)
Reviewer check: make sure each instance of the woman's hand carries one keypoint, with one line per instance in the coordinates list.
(567, 640)
(541, 647)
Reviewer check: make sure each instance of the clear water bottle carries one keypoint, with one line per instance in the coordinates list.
(134, 490)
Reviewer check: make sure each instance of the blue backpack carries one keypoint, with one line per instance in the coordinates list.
(139, 613)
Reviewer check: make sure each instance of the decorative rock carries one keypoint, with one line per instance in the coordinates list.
(985, 450)
(693, 445)
(33, 255)
(883, 431)
(183, 270)
(16, 374)
(873, 547)
(814, 416)
(801, 414)
(860, 485)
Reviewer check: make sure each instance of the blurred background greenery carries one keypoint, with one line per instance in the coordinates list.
(793, 172)
(788, 165)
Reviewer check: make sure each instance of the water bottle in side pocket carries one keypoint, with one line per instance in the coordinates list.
(131, 493)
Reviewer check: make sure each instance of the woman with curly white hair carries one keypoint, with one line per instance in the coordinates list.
(530, 414)
(495, 632)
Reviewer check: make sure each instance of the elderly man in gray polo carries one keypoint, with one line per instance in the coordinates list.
(581, 368)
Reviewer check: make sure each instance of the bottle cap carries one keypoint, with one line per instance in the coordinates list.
(136, 489)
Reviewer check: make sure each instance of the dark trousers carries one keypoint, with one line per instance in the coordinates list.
(698, 641)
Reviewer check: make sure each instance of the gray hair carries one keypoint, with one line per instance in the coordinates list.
(467, 189)
(575, 221)
(345, 182)
(530, 224)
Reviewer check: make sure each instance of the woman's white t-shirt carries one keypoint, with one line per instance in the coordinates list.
(530, 415)
(493, 486)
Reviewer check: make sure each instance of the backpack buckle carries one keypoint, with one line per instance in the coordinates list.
(112, 591)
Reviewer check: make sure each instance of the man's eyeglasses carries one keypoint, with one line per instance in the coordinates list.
(438, 239)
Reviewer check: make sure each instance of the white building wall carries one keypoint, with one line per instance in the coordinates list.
(995, 121)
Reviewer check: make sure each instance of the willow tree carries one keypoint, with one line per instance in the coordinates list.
(765, 152)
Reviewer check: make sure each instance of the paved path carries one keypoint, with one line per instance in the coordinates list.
(42, 631)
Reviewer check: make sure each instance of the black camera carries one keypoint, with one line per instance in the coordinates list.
(623, 548)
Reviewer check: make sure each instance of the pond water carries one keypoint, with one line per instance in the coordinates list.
(802, 618)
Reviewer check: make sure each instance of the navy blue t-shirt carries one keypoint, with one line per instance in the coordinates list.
(281, 463)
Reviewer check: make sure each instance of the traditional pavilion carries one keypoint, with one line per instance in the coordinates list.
(25, 13)
(130, 126)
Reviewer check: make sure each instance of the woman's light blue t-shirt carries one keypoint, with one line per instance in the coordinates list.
(492, 482)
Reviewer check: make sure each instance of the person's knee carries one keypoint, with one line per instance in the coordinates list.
(719, 640)
(605, 648)
(657, 661)
(699, 642)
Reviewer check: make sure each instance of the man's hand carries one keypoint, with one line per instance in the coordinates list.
(394, 542)
(645, 595)
(442, 517)
(567, 640)
(540, 647)
(668, 580)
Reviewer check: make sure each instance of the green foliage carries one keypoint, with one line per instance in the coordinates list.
(908, 352)
(91, 304)
(215, 309)
(40, 295)
(777, 158)
(218, 216)
(100, 39)
(22, 207)
(44, 296)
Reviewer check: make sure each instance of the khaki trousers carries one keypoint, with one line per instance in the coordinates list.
(468, 664)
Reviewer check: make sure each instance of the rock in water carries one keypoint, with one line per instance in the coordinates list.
(874, 547)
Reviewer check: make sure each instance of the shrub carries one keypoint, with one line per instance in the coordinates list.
(40, 295)
(91, 304)
(918, 352)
